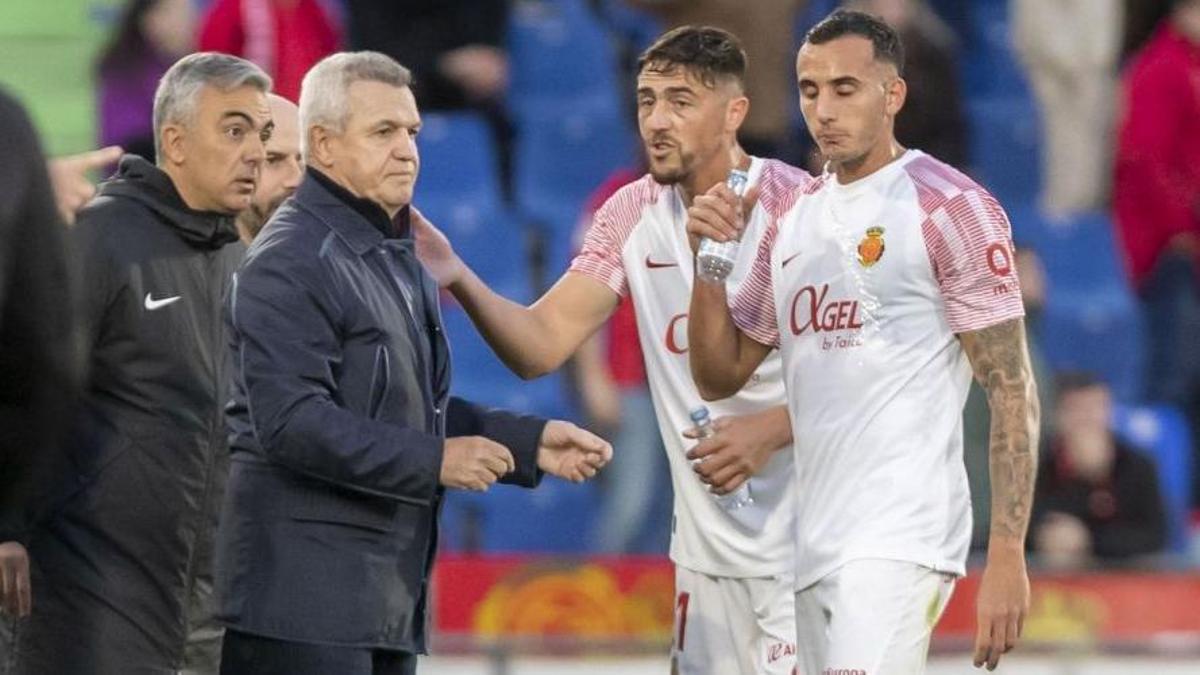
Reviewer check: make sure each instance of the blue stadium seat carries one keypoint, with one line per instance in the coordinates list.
(557, 517)
(558, 50)
(480, 376)
(458, 158)
(1099, 331)
(991, 67)
(1091, 320)
(1005, 147)
(562, 156)
(459, 191)
(1162, 432)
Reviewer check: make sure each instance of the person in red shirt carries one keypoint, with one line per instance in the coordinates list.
(1156, 199)
(635, 515)
(284, 37)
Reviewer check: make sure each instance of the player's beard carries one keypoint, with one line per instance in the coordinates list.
(679, 173)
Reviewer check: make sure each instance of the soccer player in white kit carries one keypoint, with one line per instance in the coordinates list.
(884, 287)
(734, 609)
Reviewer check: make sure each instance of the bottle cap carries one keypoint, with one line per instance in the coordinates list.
(698, 414)
(737, 181)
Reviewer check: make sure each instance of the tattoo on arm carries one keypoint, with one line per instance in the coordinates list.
(1000, 359)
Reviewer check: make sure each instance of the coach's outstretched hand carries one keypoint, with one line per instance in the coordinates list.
(572, 453)
(434, 251)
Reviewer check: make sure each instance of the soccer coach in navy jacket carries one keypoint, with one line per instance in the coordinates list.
(344, 434)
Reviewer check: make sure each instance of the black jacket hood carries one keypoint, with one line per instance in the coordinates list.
(140, 180)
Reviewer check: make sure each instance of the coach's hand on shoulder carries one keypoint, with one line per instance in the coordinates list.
(740, 447)
(719, 214)
(572, 453)
(15, 595)
(474, 463)
(434, 250)
(1002, 603)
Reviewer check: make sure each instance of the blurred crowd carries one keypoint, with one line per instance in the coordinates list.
(1117, 87)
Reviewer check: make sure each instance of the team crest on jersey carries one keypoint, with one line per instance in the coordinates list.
(871, 248)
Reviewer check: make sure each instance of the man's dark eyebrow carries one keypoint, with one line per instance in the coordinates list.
(269, 126)
(680, 90)
(238, 113)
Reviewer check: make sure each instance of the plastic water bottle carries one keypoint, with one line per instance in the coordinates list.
(715, 258)
(740, 497)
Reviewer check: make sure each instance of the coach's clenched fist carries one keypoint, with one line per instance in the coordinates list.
(474, 463)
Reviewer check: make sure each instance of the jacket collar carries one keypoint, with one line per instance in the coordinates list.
(360, 223)
(144, 182)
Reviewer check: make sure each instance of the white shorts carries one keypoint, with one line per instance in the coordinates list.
(726, 626)
(870, 617)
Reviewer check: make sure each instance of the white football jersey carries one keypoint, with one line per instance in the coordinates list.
(864, 290)
(638, 244)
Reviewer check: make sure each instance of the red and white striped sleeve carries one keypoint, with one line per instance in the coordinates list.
(604, 243)
(753, 306)
(969, 241)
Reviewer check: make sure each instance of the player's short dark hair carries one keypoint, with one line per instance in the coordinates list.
(843, 22)
(709, 53)
(1071, 381)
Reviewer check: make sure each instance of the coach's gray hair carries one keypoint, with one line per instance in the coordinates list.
(179, 89)
(323, 97)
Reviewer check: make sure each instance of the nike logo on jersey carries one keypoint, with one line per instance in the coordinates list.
(152, 304)
(650, 264)
(789, 259)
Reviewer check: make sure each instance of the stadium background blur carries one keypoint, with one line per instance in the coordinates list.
(542, 579)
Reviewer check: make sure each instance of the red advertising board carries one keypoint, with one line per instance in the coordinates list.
(632, 598)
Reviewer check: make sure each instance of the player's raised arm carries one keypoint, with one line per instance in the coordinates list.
(533, 340)
(722, 358)
(1000, 359)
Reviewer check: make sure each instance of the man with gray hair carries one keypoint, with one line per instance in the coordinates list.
(344, 435)
(122, 578)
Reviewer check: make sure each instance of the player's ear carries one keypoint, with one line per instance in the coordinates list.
(735, 113)
(896, 93)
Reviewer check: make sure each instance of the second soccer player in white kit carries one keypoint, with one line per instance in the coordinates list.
(889, 281)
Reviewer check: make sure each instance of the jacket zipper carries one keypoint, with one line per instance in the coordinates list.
(432, 410)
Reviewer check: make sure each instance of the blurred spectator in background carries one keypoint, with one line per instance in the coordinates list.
(1096, 498)
(932, 118)
(149, 37)
(1070, 50)
(281, 172)
(122, 568)
(455, 50)
(768, 34)
(635, 516)
(1157, 203)
(283, 37)
(1141, 18)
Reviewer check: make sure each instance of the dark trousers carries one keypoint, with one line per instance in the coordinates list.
(1171, 301)
(245, 654)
